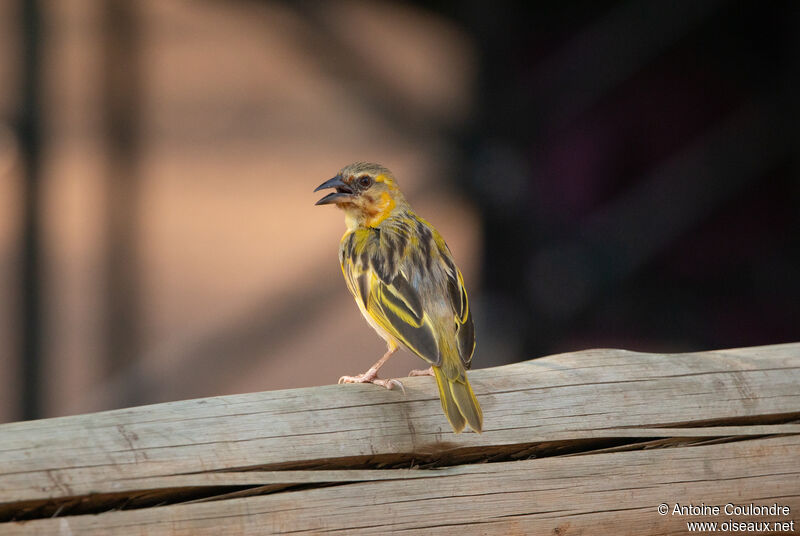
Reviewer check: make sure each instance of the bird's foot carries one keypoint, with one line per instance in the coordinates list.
(371, 376)
(427, 372)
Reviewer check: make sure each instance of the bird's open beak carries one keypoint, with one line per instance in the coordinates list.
(343, 191)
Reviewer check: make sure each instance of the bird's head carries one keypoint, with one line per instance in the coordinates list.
(367, 193)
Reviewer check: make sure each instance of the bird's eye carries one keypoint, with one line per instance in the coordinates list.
(365, 181)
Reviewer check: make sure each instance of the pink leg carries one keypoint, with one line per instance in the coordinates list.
(371, 376)
(427, 372)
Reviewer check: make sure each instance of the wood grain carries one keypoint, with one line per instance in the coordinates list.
(573, 443)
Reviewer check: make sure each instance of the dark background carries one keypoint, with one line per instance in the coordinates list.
(617, 174)
(636, 165)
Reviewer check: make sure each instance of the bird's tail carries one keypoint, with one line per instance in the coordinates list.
(458, 401)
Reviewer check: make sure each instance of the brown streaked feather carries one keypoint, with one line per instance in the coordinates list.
(391, 298)
(371, 269)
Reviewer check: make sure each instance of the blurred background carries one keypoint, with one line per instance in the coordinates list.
(607, 174)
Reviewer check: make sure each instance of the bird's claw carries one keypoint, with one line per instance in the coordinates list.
(371, 376)
(426, 372)
(389, 384)
(368, 377)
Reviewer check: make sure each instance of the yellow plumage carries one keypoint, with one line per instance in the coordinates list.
(406, 284)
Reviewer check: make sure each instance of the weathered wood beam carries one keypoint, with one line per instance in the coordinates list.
(575, 442)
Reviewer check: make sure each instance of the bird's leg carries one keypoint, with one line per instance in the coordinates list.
(371, 376)
(416, 372)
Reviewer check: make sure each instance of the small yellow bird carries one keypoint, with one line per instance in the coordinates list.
(403, 278)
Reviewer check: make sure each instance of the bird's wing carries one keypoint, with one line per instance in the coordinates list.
(465, 330)
(381, 284)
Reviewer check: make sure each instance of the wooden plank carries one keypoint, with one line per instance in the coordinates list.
(596, 494)
(292, 477)
(587, 404)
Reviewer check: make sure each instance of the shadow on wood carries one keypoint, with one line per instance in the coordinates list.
(587, 442)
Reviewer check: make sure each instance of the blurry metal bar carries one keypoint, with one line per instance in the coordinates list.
(30, 128)
(121, 107)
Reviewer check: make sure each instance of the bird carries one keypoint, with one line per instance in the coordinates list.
(406, 285)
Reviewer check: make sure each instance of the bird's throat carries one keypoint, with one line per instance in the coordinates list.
(370, 212)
